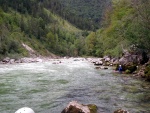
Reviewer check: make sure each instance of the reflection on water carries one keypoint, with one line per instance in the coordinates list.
(48, 88)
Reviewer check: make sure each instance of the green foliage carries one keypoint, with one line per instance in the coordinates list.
(125, 23)
(82, 13)
(127, 71)
(93, 108)
(37, 27)
(131, 68)
(37, 24)
(86, 14)
(50, 38)
(90, 44)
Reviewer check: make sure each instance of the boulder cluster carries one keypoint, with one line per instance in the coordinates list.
(136, 63)
(132, 62)
(105, 61)
(8, 60)
(75, 107)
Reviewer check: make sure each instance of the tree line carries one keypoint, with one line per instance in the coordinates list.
(30, 22)
(125, 22)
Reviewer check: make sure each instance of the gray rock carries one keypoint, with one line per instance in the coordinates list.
(18, 61)
(98, 63)
(12, 61)
(6, 60)
(75, 107)
(121, 111)
(107, 59)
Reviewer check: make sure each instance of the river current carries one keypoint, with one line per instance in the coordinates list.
(48, 88)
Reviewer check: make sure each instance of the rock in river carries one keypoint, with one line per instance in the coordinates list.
(75, 107)
(121, 111)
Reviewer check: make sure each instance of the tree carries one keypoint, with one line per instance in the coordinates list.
(50, 38)
(91, 43)
(142, 14)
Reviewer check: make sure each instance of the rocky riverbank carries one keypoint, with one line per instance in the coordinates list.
(8, 60)
(136, 63)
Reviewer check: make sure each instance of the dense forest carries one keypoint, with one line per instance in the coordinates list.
(125, 23)
(86, 14)
(73, 28)
(30, 22)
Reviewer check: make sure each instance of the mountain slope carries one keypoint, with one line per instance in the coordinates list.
(42, 30)
(91, 11)
(126, 25)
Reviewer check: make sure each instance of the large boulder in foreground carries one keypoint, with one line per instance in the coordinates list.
(121, 111)
(75, 107)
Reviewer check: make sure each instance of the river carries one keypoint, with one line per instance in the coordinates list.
(48, 88)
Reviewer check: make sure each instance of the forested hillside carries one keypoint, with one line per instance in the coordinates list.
(126, 23)
(42, 25)
(85, 14)
(30, 22)
(106, 28)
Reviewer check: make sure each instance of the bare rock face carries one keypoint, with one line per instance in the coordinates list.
(74, 107)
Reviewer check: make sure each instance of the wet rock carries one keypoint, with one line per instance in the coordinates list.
(18, 61)
(105, 67)
(76, 60)
(97, 67)
(123, 61)
(115, 62)
(12, 61)
(136, 56)
(98, 63)
(102, 67)
(140, 73)
(146, 71)
(106, 59)
(74, 107)
(6, 60)
(106, 64)
(121, 111)
(29, 60)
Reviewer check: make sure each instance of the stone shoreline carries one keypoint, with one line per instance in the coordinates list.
(128, 66)
(8, 60)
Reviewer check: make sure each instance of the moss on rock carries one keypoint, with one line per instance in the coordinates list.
(128, 68)
(74, 107)
(93, 108)
(131, 68)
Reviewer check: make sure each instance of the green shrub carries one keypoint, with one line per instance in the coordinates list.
(131, 68)
(127, 71)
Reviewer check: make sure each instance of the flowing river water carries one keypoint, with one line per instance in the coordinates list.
(48, 88)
